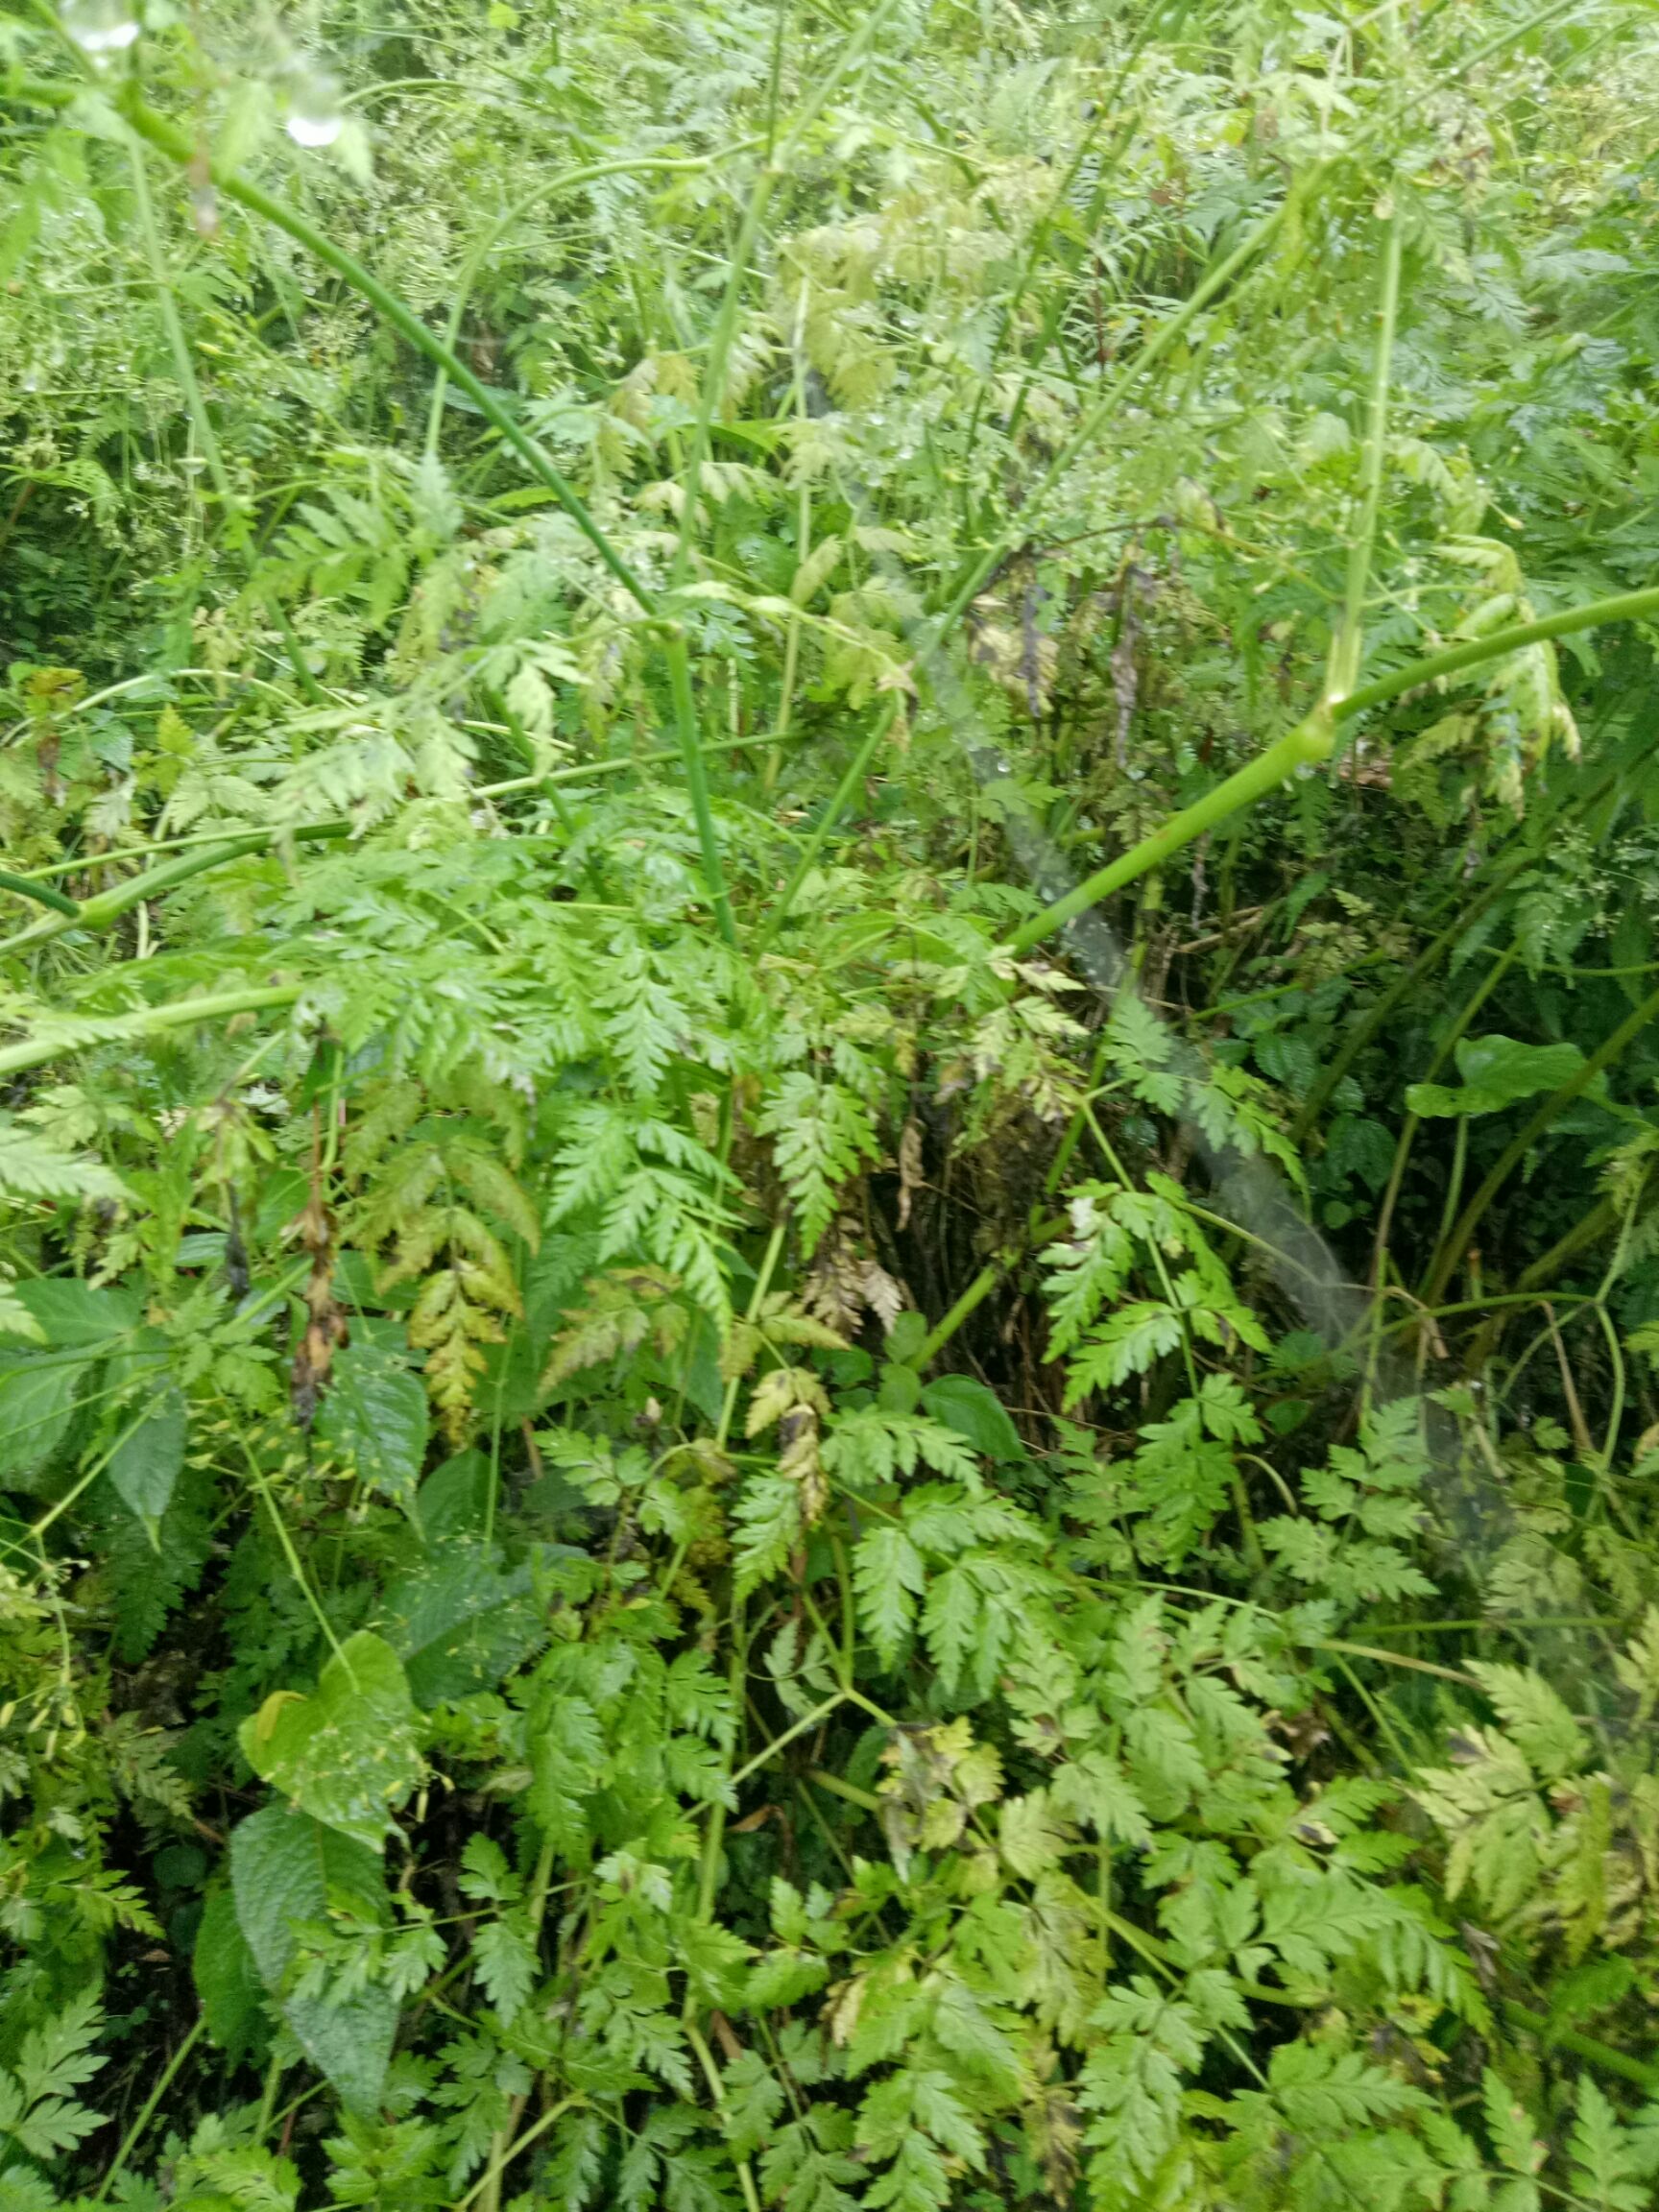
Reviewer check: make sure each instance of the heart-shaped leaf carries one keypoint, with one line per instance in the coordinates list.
(350, 1753)
(1497, 1071)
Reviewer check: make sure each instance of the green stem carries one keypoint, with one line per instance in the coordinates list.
(1346, 646)
(968, 1303)
(717, 2091)
(1311, 740)
(201, 423)
(975, 1295)
(549, 188)
(149, 1022)
(267, 2099)
(1361, 1032)
(1108, 106)
(1622, 606)
(105, 910)
(234, 844)
(802, 1727)
(1515, 33)
(1516, 1150)
(691, 744)
(166, 136)
(1585, 2047)
(710, 396)
(147, 2110)
(1472, 1006)
(1453, 1188)
(857, 768)
(1087, 433)
(756, 1299)
(41, 894)
(491, 2177)
(290, 1553)
(1588, 1230)
(178, 146)
(1391, 1659)
(713, 380)
(725, 331)
(618, 764)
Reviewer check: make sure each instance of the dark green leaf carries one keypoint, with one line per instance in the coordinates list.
(36, 1402)
(975, 1413)
(374, 1417)
(145, 1464)
(284, 1868)
(227, 1980)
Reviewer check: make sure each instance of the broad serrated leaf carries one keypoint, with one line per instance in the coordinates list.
(284, 1869)
(374, 1417)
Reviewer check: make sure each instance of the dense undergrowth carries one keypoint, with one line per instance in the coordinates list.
(710, 1501)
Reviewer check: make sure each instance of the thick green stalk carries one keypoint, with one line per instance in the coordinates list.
(1589, 1229)
(40, 893)
(1312, 741)
(1623, 607)
(1347, 644)
(1040, 1231)
(1587, 2047)
(1309, 741)
(1516, 1150)
(150, 1022)
(105, 910)
(965, 1308)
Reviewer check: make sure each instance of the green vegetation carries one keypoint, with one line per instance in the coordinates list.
(829, 1106)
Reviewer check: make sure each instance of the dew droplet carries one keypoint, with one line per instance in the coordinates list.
(100, 27)
(313, 117)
